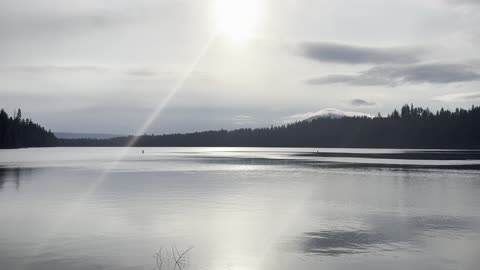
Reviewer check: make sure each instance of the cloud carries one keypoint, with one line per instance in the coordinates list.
(361, 102)
(55, 18)
(350, 54)
(464, 2)
(459, 97)
(243, 117)
(25, 24)
(134, 71)
(54, 68)
(242, 120)
(437, 73)
(143, 72)
(325, 113)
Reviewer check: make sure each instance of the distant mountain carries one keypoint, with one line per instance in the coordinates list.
(71, 135)
(334, 114)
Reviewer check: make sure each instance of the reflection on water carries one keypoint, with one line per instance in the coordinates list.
(12, 175)
(386, 233)
(240, 208)
(340, 242)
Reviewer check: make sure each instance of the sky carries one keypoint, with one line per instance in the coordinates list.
(158, 66)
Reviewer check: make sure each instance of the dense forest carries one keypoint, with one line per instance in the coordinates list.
(411, 127)
(16, 132)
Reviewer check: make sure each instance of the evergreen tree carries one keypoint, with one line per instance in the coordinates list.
(17, 132)
(19, 115)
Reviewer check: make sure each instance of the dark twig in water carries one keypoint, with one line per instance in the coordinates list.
(180, 260)
(177, 259)
(160, 259)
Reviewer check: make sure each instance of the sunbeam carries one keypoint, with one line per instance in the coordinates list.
(77, 204)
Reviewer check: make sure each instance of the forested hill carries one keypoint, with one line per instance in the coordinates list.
(411, 127)
(16, 132)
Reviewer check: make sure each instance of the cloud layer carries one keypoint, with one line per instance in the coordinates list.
(459, 97)
(436, 73)
(350, 54)
(464, 2)
(361, 102)
(66, 63)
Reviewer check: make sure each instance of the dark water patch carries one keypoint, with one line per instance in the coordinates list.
(352, 165)
(413, 155)
(326, 164)
(337, 242)
(385, 233)
(13, 175)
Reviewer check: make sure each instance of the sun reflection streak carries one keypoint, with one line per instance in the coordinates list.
(172, 92)
(77, 204)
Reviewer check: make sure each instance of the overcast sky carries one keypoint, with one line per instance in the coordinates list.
(106, 66)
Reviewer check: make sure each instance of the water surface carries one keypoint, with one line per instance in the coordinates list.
(239, 208)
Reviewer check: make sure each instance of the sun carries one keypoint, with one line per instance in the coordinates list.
(236, 19)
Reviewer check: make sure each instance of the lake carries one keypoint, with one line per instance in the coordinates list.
(239, 208)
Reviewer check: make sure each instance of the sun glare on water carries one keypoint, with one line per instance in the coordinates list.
(236, 19)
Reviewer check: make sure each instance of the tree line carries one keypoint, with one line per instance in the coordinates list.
(411, 127)
(16, 132)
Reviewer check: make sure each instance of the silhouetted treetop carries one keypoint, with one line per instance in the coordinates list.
(412, 127)
(16, 132)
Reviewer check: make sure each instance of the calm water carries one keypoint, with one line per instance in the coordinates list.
(239, 208)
